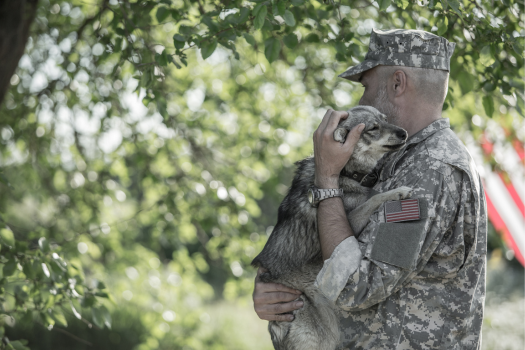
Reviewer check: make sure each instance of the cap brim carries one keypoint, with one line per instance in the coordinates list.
(354, 73)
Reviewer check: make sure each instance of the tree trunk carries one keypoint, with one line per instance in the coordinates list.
(16, 17)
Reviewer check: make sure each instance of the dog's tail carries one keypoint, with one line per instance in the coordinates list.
(315, 326)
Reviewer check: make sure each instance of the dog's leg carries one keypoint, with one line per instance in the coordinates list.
(315, 327)
(358, 217)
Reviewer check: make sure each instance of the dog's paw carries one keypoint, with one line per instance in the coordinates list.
(403, 192)
(340, 134)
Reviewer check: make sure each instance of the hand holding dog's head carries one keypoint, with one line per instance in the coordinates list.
(376, 127)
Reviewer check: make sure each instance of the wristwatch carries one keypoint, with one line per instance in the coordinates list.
(315, 195)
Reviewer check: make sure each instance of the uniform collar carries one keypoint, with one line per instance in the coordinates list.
(421, 135)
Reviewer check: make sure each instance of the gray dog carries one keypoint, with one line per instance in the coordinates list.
(292, 254)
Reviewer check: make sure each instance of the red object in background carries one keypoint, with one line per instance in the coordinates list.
(505, 204)
(501, 228)
(518, 146)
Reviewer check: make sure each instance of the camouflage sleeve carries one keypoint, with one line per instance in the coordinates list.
(343, 262)
(364, 272)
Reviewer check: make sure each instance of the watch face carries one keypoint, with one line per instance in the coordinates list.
(310, 195)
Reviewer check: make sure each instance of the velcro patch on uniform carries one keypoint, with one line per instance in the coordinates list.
(403, 210)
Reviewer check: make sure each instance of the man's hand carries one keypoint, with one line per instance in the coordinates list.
(330, 155)
(272, 299)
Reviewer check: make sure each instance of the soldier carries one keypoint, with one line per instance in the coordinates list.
(417, 284)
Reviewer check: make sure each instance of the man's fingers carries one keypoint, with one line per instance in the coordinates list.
(335, 118)
(274, 309)
(277, 317)
(277, 287)
(275, 297)
(325, 120)
(354, 135)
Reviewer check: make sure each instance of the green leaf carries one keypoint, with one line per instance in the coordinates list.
(383, 4)
(59, 317)
(312, 38)
(98, 317)
(444, 3)
(489, 87)
(256, 9)
(43, 243)
(178, 37)
(272, 47)
(466, 81)
(210, 23)
(178, 45)
(289, 19)
(242, 16)
(290, 40)
(268, 26)
(162, 58)
(402, 3)
(208, 47)
(297, 2)
(443, 26)
(186, 30)
(9, 268)
(281, 8)
(28, 270)
(106, 316)
(340, 47)
(259, 19)
(249, 39)
(18, 345)
(517, 47)
(47, 319)
(454, 5)
(488, 105)
(162, 13)
(485, 56)
(7, 238)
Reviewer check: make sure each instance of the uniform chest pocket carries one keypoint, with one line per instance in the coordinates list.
(399, 244)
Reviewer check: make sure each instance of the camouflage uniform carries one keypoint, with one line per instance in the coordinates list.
(416, 284)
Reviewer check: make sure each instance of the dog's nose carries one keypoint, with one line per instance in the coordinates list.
(402, 134)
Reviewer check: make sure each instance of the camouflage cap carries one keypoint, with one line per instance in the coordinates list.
(404, 47)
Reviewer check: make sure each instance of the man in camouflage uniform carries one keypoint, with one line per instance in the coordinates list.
(416, 284)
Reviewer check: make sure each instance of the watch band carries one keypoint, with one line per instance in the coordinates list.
(319, 194)
(325, 193)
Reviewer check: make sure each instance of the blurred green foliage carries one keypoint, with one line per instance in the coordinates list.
(146, 145)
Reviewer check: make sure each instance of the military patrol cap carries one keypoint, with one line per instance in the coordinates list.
(404, 47)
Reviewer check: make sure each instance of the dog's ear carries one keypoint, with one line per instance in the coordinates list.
(345, 125)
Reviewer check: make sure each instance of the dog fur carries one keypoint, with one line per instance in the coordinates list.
(292, 254)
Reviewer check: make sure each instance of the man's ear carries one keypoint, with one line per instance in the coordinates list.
(399, 83)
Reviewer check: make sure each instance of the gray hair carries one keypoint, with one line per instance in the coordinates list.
(431, 84)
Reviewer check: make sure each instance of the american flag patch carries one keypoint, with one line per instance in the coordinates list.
(404, 210)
